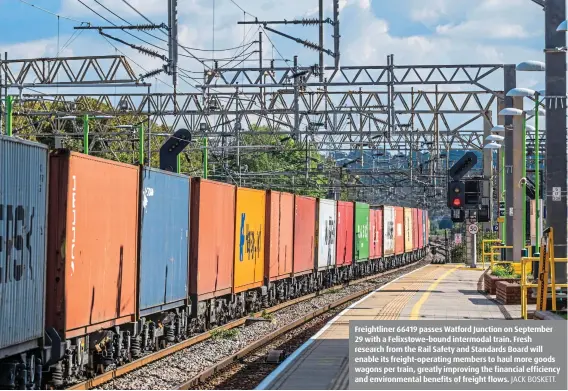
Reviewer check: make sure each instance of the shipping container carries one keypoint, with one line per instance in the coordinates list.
(250, 219)
(164, 240)
(389, 230)
(212, 233)
(93, 243)
(344, 233)
(377, 237)
(422, 225)
(304, 234)
(372, 233)
(398, 230)
(279, 239)
(415, 229)
(326, 233)
(23, 223)
(427, 228)
(408, 230)
(361, 232)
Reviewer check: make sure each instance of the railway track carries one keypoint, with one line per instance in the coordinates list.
(247, 368)
(191, 362)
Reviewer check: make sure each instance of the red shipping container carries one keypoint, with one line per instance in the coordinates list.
(344, 251)
(416, 224)
(212, 242)
(398, 230)
(421, 228)
(376, 233)
(279, 240)
(304, 234)
(379, 228)
(93, 241)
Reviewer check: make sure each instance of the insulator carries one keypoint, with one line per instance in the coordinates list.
(309, 21)
(150, 74)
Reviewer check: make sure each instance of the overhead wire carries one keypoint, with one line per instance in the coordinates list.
(52, 13)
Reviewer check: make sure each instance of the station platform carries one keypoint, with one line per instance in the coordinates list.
(433, 292)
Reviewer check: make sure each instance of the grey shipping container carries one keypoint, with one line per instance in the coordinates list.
(164, 240)
(23, 239)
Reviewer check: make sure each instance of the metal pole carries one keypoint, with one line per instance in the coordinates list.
(178, 163)
(205, 150)
(86, 134)
(296, 103)
(487, 171)
(9, 109)
(537, 175)
(149, 133)
(141, 144)
(321, 40)
(1, 108)
(556, 208)
(510, 82)
(517, 207)
(524, 175)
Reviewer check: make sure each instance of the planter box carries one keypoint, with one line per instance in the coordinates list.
(490, 281)
(510, 293)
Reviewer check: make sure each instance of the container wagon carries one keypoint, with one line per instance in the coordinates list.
(248, 275)
(325, 242)
(138, 258)
(211, 253)
(389, 230)
(279, 245)
(23, 239)
(92, 260)
(344, 251)
(163, 273)
(304, 244)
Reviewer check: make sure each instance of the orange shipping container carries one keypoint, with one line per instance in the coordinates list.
(212, 239)
(398, 230)
(279, 235)
(92, 250)
(249, 239)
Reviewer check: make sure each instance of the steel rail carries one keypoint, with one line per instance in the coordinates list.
(213, 370)
(129, 367)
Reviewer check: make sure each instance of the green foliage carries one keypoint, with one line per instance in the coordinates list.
(504, 270)
(224, 333)
(267, 315)
(277, 162)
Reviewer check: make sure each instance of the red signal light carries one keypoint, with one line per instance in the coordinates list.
(456, 202)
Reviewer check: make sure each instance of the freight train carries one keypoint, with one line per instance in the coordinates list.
(102, 261)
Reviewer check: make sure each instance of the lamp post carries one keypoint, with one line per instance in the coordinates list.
(501, 152)
(535, 66)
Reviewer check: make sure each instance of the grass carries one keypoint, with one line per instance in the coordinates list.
(332, 290)
(224, 333)
(266, 315)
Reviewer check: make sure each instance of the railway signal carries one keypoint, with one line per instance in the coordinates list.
(456, 194)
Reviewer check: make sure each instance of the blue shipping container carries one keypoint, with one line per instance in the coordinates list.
(23, 240)
(164, 240)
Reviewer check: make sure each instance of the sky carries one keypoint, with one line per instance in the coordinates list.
(415, 31)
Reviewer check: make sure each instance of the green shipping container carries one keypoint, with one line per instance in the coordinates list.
(361, 232)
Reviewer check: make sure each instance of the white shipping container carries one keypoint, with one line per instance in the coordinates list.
(388, 230)
(327, 232)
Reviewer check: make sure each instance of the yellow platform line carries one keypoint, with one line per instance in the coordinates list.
(415, 313)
